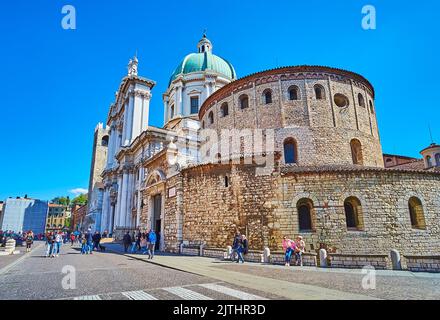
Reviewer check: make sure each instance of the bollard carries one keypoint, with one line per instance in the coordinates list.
(266, 255)
(396, 260)
(229, 251)
(10, 246)
(323, 258)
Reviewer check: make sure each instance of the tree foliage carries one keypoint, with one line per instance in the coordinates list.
(80, 200)
(65, 201)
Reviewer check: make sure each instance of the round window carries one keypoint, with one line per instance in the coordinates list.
(341, 101)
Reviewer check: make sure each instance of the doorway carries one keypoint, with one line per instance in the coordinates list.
(157, 210)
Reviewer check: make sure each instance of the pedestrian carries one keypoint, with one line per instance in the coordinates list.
(96, 240)
(158, 235)
(235, 244)
(89, 240)
(144, 244)
(138, 240)
(29, 240)
(57, 244)
(49, 243)
(245, 244)
(151, 243)
(84, 247)
(72, 239)
(289, 248)
(240, 249)
(126, 240)
(300, 247)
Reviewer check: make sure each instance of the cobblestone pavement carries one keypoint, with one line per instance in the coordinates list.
(389, 284)
(107, 275)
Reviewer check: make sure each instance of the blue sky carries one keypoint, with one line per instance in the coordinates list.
(57, 84)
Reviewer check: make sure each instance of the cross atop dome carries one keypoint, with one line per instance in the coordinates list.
(204, 44)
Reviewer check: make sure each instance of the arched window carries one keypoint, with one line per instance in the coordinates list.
(211, 118)
(356, 152)
(305, 208)
(361, 100)
(244, 101)
(319, 92)
(104, 141)
(293, 93)
(428, 161)
(437, 159)
(172, 112)
(353, 213)
(371, 107)
(267, 96)
(224, 109)
(290, 154)
(416, 213)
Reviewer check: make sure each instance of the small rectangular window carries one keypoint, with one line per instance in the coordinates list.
(194, 104)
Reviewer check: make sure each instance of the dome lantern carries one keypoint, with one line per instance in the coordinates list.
(204, 44)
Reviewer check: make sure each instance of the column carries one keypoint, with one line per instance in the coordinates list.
(118, 143)
(111, 219)
(165, 111)
(128, 119)
(139, 197)
(179, 100)
(105, 209)
(123, 206)
(145, 119)
(110, 146)
(136, 102)
(130, 187)
(118, 203)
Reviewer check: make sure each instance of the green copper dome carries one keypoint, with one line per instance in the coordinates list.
(204, 61)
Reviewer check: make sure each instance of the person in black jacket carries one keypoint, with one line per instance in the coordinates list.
(96, 239)
(126, 241)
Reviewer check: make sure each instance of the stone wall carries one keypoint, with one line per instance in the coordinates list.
(265, 208)
(359, 261)
(423, 263)
(322, 129)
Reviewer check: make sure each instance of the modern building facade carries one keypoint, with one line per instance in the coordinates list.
(24, 214)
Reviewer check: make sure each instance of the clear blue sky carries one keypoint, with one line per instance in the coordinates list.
(56, 84)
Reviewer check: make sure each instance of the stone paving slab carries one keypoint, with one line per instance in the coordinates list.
(290, 290)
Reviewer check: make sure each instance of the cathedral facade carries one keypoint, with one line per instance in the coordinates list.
(288, 151)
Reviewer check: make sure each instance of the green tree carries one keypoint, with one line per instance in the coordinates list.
(80, 200)
(65, 201)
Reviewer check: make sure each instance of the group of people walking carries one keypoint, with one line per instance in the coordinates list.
(54, 241)
(240, 247)
(88, 241)
(143, 242)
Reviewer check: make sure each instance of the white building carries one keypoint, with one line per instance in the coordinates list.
(133, 142)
